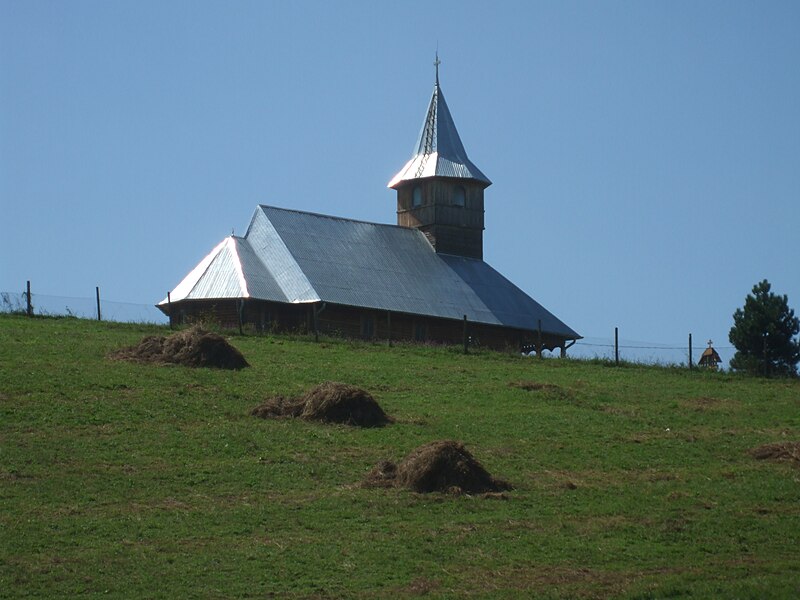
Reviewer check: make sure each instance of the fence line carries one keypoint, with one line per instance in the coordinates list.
(664, 347)
(83, 308)
(645, 352)
(130, 312)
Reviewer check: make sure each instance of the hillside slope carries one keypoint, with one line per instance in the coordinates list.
(129, 480)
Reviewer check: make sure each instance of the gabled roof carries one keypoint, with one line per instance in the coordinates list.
(709, 355)
(298, 257)
(438, 151)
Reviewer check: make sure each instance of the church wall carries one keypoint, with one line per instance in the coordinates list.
(353, 323)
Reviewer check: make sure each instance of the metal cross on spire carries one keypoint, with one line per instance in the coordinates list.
(436, 64)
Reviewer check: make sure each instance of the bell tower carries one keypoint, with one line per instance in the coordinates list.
(439, 190)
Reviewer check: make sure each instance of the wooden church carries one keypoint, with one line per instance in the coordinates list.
(423, 279)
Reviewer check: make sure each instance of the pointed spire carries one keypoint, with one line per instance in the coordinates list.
(438, 151)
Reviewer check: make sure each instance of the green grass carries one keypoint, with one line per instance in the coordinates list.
(133, 481)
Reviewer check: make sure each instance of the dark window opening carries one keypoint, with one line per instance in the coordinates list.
(460, 196)
(416, 197)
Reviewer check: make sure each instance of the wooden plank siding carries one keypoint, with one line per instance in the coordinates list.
(355, 323)
(449, 227)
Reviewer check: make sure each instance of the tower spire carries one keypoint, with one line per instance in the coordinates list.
(438, 151)
(440, 190)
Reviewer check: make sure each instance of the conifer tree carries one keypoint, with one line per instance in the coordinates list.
(763, 333)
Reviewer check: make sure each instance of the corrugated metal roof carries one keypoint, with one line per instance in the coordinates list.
(218, 275)
(438, 151)
(271, 250)
(224, 277)
(293, 256)
(261, 283)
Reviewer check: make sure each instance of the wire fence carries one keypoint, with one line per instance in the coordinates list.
(82, 308)
(646, 352)
(605, 348)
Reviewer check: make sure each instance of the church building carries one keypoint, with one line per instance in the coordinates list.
(423, 279)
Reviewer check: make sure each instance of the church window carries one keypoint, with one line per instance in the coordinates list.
(416, 197)
(459, 196)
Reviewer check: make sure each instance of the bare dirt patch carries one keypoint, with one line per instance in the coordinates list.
(707, 403)
(194, 347)
(329, 402)
(536, 386)
(441, 466)
(778, 451)
(551, 581)
(422, 586)
(621, 411)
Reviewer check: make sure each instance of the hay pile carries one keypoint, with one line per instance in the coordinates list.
(329, 402)
(193, 347)
(443, 466)
(778, 451)
(279, 406)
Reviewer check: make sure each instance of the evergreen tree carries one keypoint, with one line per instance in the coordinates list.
(763, 334)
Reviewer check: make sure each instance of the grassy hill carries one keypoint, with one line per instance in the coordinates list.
(126, 480)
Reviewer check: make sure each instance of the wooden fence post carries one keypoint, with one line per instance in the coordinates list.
(616, 346)
(691, 362)
(466, 337)
(97, 293)
(29, 306)
(539, 339)
(389, 326)
(169, 309)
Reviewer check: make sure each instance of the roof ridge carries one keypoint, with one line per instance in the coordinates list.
(334, 217)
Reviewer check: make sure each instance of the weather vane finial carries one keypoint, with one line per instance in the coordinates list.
(436, 64)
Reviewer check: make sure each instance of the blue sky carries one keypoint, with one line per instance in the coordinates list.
(645, 155)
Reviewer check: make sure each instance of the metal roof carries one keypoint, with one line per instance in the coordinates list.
(438, 151)
(299, 257)
(217, 276)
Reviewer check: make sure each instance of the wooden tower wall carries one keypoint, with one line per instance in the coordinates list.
(451, 229)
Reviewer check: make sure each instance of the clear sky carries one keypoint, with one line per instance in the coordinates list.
(645, 155)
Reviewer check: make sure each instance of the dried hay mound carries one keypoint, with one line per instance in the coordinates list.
(341, 403)
(778, 451)
(277, 407)
(384, 474)
(329, 402)
(193, 347)
(443, 466)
